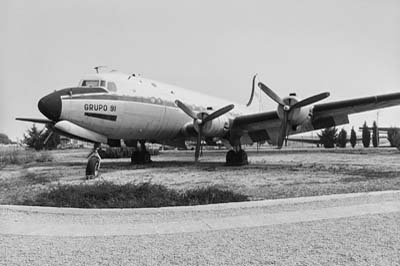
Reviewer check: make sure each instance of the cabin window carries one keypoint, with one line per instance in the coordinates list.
(90, 83)
(111, 86)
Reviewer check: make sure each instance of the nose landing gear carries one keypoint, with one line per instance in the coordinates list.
(93, 165)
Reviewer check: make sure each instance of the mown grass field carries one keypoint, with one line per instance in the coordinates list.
(270, 174)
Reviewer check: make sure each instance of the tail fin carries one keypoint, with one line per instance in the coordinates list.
(252, 90)
(255, 97)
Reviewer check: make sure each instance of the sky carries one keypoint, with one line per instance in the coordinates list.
(349, 48)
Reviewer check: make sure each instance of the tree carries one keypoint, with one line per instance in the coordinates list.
(342, 138)
(375, 135)
(328, 137)
(392, 136)
(4, 139)
(53, 141)
(35, 139)
(366, 135)
(353, 138)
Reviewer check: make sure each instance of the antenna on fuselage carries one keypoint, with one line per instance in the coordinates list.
(98, 67)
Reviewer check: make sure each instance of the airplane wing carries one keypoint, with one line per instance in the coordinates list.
(266, 125)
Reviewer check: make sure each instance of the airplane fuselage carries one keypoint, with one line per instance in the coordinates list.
(138, 108)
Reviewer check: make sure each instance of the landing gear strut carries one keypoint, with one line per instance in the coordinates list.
(93, 165)
(141, 156)
(236, 157)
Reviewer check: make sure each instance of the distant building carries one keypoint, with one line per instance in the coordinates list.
(68, 143)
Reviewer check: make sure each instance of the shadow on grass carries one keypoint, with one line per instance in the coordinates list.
(109, 195)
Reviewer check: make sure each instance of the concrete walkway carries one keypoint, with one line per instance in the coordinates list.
(67, 222)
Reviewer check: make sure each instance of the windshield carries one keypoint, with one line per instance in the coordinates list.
(90, 83)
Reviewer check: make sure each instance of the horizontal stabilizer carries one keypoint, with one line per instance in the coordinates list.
(35, 120)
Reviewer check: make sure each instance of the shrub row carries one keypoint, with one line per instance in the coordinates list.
(109, 195)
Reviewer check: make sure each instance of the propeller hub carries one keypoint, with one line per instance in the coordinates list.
(286, 108)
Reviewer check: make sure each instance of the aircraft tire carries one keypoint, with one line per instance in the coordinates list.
(230, 157)
(146, 157)
(92, 167)
(242, 157)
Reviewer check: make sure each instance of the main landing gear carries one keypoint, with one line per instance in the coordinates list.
(236, 157)
(141, 156)
(93, 165)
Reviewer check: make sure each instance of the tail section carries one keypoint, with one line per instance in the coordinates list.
(255, 97)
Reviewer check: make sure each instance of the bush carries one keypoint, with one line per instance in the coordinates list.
(392, 135)
(108, 195)
(36, 139)
(4, 139)
(122, 152)
(328, 137)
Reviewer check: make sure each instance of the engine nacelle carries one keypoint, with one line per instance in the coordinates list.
(216, 127)
(296, 116)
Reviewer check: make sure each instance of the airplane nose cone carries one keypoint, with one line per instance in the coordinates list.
(50, 106)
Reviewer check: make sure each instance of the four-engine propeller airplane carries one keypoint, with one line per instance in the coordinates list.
(110, 107)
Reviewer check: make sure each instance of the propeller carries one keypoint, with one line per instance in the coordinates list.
(287, 108)
(48, 129)
(200, 119)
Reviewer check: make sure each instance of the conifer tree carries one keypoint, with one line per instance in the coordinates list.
(35, 138)
(353, 138)
(375, 135)
(342, 138)
(328, 137)
(366, 135)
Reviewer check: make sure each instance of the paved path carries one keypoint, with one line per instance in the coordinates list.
(357, 229)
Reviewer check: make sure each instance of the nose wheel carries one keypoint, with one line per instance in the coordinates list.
(93, 164)
(236, 158)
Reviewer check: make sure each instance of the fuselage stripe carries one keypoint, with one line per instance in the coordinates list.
(102, 116)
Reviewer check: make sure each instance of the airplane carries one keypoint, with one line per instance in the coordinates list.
(107, 107)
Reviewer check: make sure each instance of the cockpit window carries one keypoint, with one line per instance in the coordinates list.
(90, 83)
(102, 83)
(111, 86)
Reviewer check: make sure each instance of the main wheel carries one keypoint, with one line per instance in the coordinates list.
(146, 157)
(230, 157)
(92, 167)
(242, 157)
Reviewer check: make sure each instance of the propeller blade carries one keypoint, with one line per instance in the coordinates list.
(48, 137)
(283, 130)
(43, 131)
(311, 100)
(198, 144)
(252, 90)
(186, 109)
(218, 113)
(270, 93)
